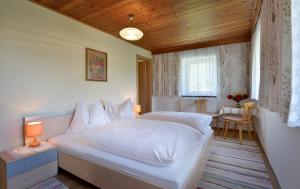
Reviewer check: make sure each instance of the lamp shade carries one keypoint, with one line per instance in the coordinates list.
(137, 108)
(34, 129)
(131, 34)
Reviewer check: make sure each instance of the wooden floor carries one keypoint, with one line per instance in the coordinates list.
(74, 182)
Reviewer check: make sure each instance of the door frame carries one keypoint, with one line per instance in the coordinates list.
(149, 60)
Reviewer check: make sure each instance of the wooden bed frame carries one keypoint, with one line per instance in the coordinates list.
(100, 176)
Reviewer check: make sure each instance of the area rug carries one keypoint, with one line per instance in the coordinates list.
(235, 166)
(51, 183)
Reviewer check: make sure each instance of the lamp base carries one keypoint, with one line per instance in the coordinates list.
(35, 143)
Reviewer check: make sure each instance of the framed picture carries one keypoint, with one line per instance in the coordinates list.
(96, 65)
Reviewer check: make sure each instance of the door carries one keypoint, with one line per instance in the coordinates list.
(144, 82)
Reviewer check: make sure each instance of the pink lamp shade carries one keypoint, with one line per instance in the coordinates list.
(34, 129)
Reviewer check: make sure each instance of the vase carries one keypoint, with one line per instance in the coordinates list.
(238, 105)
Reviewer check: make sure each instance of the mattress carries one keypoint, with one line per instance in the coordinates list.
(171, 177)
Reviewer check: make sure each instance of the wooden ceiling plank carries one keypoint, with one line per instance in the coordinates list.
(203, 45)
(256, 13)
(187, 42)
(165, 23)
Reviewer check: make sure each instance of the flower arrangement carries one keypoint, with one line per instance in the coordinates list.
(238, 97)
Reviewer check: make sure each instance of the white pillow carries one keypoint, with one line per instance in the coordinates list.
(123, 111)
(80, 119)
(98, 116)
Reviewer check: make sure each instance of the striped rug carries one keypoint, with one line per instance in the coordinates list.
(51, 183)
(235, 166)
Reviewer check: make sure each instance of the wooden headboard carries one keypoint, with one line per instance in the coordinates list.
(54, 124)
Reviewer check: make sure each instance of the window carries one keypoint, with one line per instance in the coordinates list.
(255, 62)
(294, 113)
(198, 75)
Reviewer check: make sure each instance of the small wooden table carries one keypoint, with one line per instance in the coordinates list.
(232, 110)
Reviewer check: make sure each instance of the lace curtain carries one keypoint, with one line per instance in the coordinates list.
(198, 74)
(294, 113)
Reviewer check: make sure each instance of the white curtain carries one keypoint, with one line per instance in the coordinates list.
(294, 113)
(198, 75)
(255, 61)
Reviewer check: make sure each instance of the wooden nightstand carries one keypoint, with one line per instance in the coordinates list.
(23, 167)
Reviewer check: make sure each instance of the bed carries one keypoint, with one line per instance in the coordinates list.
(110, 171)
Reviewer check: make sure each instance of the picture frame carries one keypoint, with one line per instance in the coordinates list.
(96, 65)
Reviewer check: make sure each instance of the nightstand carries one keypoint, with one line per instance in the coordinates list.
(23, 167)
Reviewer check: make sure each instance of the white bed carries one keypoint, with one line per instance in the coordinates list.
(172, 177)
(109, 171)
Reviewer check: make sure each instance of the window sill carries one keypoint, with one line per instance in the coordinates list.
(199, 96)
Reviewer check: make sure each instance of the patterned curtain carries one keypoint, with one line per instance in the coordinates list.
(165, 74)
(275, 78)
(234, 69)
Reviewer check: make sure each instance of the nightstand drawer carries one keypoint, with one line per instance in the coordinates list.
(32, 177)
(20, 166)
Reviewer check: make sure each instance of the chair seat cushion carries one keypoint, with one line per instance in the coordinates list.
(233, 118)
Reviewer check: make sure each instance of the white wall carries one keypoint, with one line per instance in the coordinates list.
(282, 146)
(42, 65)
(166, 103)
(181, 104)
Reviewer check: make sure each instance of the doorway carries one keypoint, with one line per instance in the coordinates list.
(144, 83)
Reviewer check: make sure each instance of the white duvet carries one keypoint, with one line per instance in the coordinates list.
(154, 142)
(198, 121)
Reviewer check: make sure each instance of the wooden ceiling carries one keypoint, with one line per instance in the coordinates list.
(168, 25)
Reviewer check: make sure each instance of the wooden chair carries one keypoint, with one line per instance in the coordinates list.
(201, 108)
(240, 121)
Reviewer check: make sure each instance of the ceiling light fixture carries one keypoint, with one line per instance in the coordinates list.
(131, 33)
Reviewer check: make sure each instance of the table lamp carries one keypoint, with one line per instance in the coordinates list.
(34, 129)
(137, 109)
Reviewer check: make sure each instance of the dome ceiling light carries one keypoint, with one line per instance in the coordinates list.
(131, 33)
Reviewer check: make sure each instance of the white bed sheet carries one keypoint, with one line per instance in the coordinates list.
(172, 177)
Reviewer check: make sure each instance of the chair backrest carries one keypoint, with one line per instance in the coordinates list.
(201, 105)
(248, 109)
